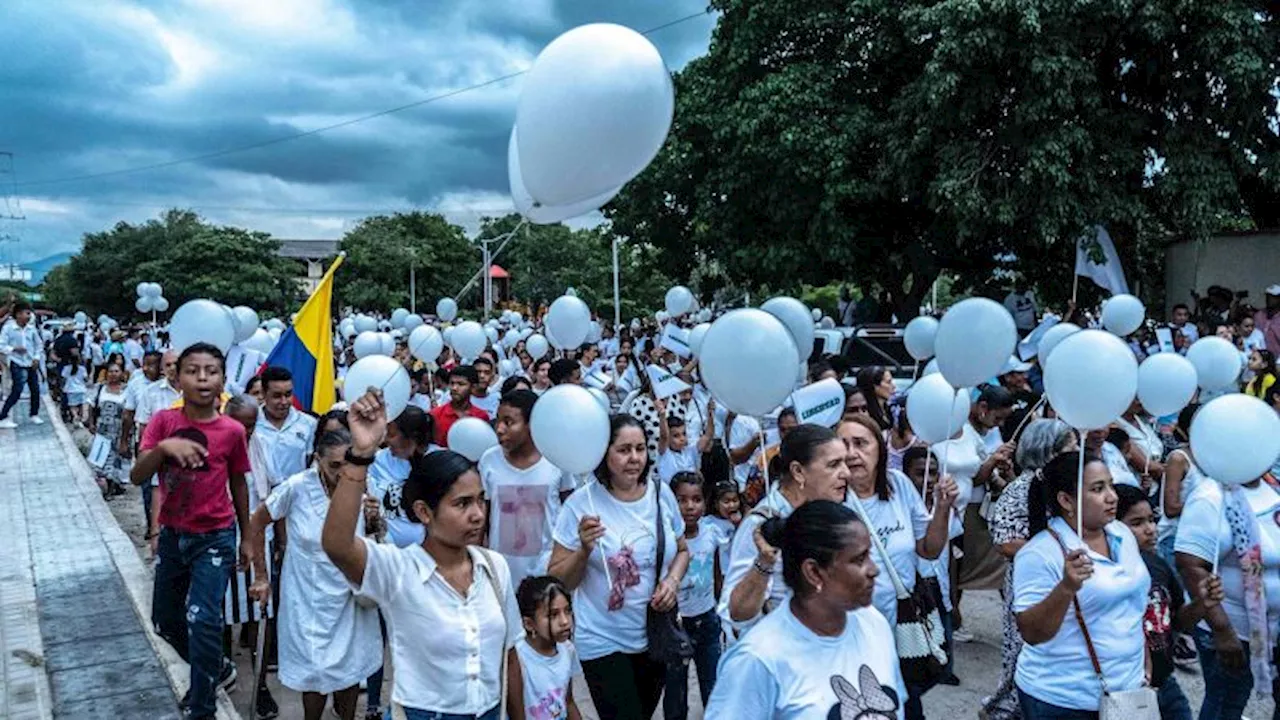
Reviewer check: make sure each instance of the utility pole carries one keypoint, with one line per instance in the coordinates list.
(10, 213)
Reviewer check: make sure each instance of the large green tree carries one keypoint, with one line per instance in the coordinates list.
(884, 141)
(189, 257)
(381, 250)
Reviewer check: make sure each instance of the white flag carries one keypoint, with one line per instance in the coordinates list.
(1108, 275)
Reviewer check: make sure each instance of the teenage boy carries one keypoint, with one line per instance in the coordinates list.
(461, 380)
(20, 341)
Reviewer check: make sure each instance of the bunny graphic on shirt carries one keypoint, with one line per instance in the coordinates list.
(872, 702)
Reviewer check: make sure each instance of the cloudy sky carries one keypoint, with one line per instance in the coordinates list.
(97, 86)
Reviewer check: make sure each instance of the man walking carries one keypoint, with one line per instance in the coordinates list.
(20, 340)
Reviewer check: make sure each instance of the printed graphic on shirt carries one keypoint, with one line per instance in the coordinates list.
(1157, 623)
(871, 700)
(178, 479)
(391, 503)
(523, 513)
(637, 553)
(699, 575)
(549, 706)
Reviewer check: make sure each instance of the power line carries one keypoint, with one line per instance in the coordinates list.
(307, 133)
(300, 210)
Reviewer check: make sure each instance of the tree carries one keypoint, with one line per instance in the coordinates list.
(883, 141)
(381, 249)
(187, 256)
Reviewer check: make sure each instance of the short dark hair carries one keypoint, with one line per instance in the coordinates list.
(1180, 306)
(152, 354)
(787, 412)
(1126, 497)
(482, 360)
(513, 383)
(561, 370)
(203, 348)
(522, 400)
(914, 453)
(275, 373)
(811, 533)
(20, 306)
(675, 422)
(466, 372)
(996, 397)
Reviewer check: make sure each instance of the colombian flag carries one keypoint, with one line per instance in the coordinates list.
(306, 349)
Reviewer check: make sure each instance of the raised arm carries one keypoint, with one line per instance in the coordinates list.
(368, 422)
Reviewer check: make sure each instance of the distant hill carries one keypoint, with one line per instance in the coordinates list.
(40, 268)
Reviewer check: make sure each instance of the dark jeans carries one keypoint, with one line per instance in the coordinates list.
(1173, 702)
(704, 631)
(1033, 709)
(374, 681)
(191, 576)
(146, 501)
(22, 376)
(1225, 692)
(625, 687)
(412, 714)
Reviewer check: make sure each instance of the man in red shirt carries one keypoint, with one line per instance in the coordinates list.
(461, 380)
(202, 459)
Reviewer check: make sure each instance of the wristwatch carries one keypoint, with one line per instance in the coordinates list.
(360, 460)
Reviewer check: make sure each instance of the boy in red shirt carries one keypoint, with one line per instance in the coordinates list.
(202, 459)
(461, 380)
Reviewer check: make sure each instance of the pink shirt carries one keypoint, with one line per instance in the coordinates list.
(199, 500)
(1270, 328)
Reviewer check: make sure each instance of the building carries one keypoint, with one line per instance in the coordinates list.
(1244, 262)
(313, 258)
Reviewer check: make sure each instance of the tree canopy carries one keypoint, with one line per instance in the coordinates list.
(883, 141)
(381, 249)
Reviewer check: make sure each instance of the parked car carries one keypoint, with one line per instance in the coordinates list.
(869, 346)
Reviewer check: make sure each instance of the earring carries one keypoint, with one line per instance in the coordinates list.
(818, 589)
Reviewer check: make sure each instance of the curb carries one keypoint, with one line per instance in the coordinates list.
(135, 575)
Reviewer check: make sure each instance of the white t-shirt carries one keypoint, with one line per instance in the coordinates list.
(963, 457)
(523, 505)
(489, 403)
(385, 481)
(697, 593)
(74, 378)
(420, 401)
(1168, 526)
(743, 554)
(782, 670)
(744, 430)
(1114, 604)
(1143, 436)
(547, 680)
(677, 461)
(899, 521)
(610, 610)
(1022, 306)
(726, 530)
(1203, 530)
(1121, 473)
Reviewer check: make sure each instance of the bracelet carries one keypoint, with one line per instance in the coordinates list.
(360, 460)
(761, 569)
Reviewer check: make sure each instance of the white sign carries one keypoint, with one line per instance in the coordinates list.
(100, 451)
(665, 384)
(597, 379)
(242, 364)
(676, 339)
(821, 403)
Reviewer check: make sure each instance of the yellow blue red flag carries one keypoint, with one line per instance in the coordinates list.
(306, 348)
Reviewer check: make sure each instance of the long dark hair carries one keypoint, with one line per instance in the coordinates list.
(1059, 476)
(883, 489)
(812, 532)
(431, 476)
(616, 425)
(414, 423)
(868, 378)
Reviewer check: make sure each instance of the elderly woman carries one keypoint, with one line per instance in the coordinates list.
(1041, 441)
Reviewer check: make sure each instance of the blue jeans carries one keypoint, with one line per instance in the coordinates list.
(1225, 692)
(22, 377)
(374, 682)
(1033, 709)
(1174, 704)
(412, 714)
(704, 631)
(191, 577)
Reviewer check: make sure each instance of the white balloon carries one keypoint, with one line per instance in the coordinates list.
(426, 343)
(1217, 363)
(936, 410)
(260, 340)
(492, 335)
(974, 340)
(143, 304)
(593, 113)
(447, 334)
(246, 319)
(80, 317)
(154, 290)
(1091, 379)
(601, 398)
(412, 322)
(1166, 383)
(826, 323)
(1052, 337)
(536, 346)
(142, 289)
(679, 300)
(510, 339)
(471, 437)
(749, 361)
(930, 368)
(919, 335)
(364, 323)
(570, 428)
(1235, 438)
(347, 331)
(275, 334)
(1122, 314)
(468, 339)
(568, 322)
(447, 309)
(275, 324)
(696, 336)
(594, 332)
(795, 316)
(538, 213)
(387, 344)
(398, 317)
(379, 372)
(367, 344)
(201, 321)
(817, 314)
(161, 303)
(661, 316)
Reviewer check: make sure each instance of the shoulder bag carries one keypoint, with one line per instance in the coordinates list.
(1137, 704)
(668, 641)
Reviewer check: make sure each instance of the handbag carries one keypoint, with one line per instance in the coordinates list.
(668, 641)
(922, 646)
(1137, 704)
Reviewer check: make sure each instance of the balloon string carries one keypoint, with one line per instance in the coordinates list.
(604, 559)
(951, 416)
(1217, 536)
(924, 487)
(1080, 491)
(915, 372)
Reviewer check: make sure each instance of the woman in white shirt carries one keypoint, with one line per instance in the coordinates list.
(449, 605)
(328, 642)
(1057, 571)
(606, 547)
(826, 652)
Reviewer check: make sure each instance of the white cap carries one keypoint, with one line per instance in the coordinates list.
(1015, 365)
(1273, 290)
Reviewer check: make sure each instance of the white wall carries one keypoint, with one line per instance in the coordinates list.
(1239, 262)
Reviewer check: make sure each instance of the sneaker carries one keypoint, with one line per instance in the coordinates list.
(8, 424)
(950, 680)
(267, 709)
(961, 635)
(35, 420)
(227, 679)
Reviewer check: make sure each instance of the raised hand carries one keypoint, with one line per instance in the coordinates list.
(367, 420)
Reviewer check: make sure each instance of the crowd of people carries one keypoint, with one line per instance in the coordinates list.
(800, 571)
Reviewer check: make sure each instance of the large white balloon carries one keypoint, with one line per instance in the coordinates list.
(1122, 314)
(468, 339)
(378, 372)
(1052, 337)
(1166, 383)
(364, 323)
(247, 322)
(974, 340)
(536, 346)
(538, 213)
(1235, 438)
(568, 322)
(387, 344)
(447, 309)
(919, 335)
(1091, 379)
(347, 331)
(936, 410)
(144, 304)
(1217, 363)
(492, 335)
(696, 336)
(398, 317)
(412, 322)
(797, 319)
(201, 321)
(570, 428)
(601, 398)
(426, 343)
(471, 436)
(260, 340)
(679, 300)
(593, 113)
(367, 344)
(749, 361)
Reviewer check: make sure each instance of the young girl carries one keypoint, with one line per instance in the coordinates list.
(548, 660)
(726, 509)
(75, 380)
(696, 596)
